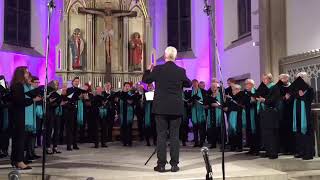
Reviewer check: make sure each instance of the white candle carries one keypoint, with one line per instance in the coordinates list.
(100, 84)
(119, 84)
(89, 83)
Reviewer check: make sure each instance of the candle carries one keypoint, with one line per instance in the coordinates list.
(89, 83)
(100, 84)
(119, 84)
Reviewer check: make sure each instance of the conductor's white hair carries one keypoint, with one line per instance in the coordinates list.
(170, 53)
(249, 81)
(305, 77)
(282, 76)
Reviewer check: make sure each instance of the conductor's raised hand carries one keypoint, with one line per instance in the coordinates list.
(151, 66)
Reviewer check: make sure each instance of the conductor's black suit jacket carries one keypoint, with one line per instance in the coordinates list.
(169, 80)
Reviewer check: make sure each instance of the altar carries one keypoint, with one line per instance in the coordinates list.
(104, 40)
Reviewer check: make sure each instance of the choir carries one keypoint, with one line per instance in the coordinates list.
(273, 117)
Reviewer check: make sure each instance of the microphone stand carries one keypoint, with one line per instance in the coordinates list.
(210, 13)
(51, 6)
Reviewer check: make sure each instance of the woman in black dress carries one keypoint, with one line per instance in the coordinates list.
(19, 102)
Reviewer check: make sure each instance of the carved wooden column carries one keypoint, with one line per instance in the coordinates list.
(90, 43)
(273, 45)
(149, 43)
(125, 40)
(108, 41)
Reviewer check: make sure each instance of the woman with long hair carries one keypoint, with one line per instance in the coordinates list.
(19, 102)
(53, 119)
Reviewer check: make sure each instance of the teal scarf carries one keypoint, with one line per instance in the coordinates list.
(303, 117)
(198, 111)
(244, 118)
(103, 112)
(233, 116)
(147, 114)
(39, 111)
(58, 111)
(30, 113)
(218, 113)
(129, 110)
(252, 119)
(5, 118)
(80, 113)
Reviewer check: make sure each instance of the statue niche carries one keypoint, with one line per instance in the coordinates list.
(76, 45)
(135, 52)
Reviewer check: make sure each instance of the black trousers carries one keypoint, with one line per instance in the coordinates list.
(151, 132)
(162, 124)
(199, 129)
(109, 127)
(18, 140)
(52, 129)
(4, 139)
(304, 144)
(71, 128)
(270, 131)
(184, 127)
(39, 131)
(30, 144)
(126, 134)
(140, 115)
(214, 135)
(104, 124)
(62, 127)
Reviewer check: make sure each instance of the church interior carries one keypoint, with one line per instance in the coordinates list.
(115, 41)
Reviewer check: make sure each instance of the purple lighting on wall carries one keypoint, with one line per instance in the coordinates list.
(10, 60)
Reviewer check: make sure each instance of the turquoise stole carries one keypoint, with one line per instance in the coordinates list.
(233, 116)
(129, 110)
(5, 118)
(198, 112)
(252, 115)
(218, 113)
(303, 117)
(80, 113)
(58, 111)
(103, 112)
(39, 111)
(30, 113)
(147, 114)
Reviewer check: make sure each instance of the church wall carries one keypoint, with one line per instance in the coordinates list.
(10, 60)
(243, 58)
(303, 28)
(200, 66)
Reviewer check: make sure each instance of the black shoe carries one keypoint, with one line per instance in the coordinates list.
(36, 156)
(297, 156)
(27, 161)
(69, 148)
(56, 151)
(104, 146)
(175, 168)
(96, 146)
(75, 147)
(307, 158)
(160, 169)
(263, 155)
(273, 157)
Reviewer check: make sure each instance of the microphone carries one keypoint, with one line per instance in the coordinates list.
(14, 175)
(205, 151)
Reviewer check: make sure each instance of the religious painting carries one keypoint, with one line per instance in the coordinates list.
(76, 45)
(135, 52)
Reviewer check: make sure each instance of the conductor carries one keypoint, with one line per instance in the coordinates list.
(167, 106)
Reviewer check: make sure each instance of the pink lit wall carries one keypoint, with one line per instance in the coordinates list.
(10, 60)
(200, 66)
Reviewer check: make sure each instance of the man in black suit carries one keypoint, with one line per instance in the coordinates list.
(167, 106)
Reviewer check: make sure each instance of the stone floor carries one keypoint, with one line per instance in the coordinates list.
(123, 163)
